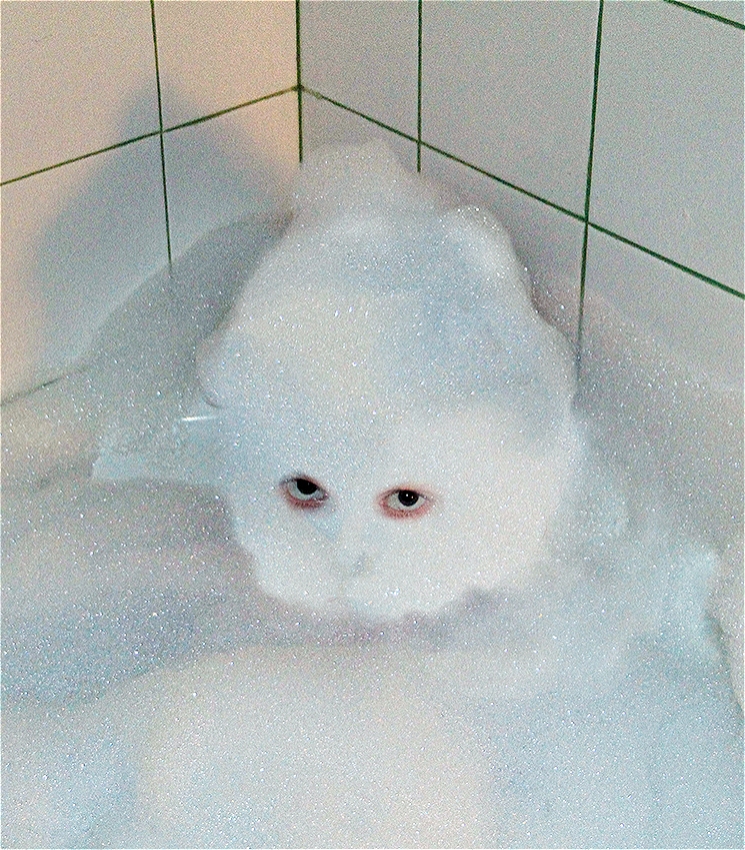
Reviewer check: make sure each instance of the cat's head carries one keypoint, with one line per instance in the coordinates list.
(395, 418)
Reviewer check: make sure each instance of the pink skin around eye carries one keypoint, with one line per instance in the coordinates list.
(302, 504)
(391, 507)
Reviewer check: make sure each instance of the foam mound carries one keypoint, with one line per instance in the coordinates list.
(321, 546)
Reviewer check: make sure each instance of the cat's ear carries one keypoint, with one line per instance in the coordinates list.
(206, 372)
(232, 367)
(525, 351)
(488, 247)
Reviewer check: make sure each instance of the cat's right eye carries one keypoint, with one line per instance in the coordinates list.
(404, 502)
(303, 493)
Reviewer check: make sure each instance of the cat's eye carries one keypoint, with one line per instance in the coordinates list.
(404, 503)
(303, 492)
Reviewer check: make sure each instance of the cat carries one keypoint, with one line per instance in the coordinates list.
(479, 637)
(375, 343)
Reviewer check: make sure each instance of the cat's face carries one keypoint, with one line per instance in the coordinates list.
(399, 516)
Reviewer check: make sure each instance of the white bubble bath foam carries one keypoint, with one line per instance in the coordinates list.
(325, 544)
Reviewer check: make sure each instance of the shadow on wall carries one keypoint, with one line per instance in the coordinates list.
(79, 239)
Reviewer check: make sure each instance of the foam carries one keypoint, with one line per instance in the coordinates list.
(189, 662)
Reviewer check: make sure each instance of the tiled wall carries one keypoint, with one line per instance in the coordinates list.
(79, 78)
(507, 91)
(497, 98)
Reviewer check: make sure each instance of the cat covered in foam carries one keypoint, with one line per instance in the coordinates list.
(395, 433)
(383, 335)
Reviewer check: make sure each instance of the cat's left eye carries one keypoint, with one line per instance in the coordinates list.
(303, 492)
(404, 502)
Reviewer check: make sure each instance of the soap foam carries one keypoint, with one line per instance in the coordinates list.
(577, 695)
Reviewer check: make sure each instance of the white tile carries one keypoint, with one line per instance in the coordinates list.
(76, 241)
(730, 9)
(668, 164)
(216, 55)
(508, 88)
(223, 169)
(77, 77)
(326, 125)
(547, 241)
(697, 324)
(662, 384)
(363, 55)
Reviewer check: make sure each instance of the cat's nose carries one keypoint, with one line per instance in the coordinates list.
(351, 562)
(351, 551)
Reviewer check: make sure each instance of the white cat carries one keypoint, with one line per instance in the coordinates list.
(476, 628)
(395, 418)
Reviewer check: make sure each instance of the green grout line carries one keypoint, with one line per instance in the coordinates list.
(680, 266)
(45, 384)
(76, 369)
(299, 83)
(80, 157)
(419, 90)
(705, 14)
(588, 189)
(160, 136)
(576, 216)
(381, 124)
(504, 182)
(228, 109)
(152, 134)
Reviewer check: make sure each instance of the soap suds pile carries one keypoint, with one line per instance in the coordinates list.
(539, 654)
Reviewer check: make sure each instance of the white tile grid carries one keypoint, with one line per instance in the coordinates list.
(213, 55)
(668, 168)
(507, 88)
(514, 104)
(80, 77)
